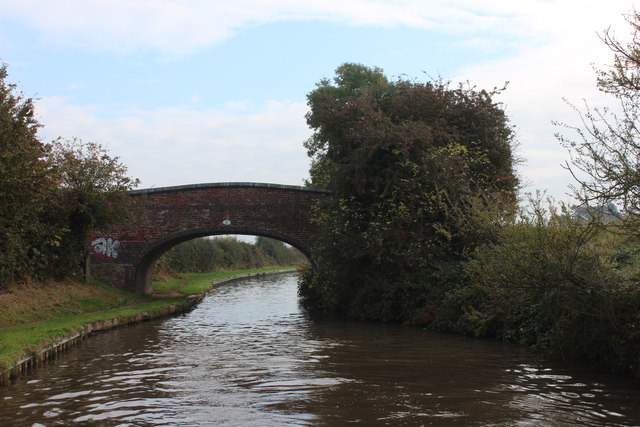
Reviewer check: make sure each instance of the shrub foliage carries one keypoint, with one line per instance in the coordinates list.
(413, 169)
(51, 195)
(566, 287)
(205, 255)
(423, 226)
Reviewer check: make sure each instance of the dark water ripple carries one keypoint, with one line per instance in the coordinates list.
(248, 356)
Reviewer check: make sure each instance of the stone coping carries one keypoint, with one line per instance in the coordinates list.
(227, 185)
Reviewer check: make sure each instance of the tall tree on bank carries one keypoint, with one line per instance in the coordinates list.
(605, 146)
(91, 194)
(414, 169)
(24, 184)
(51, 195)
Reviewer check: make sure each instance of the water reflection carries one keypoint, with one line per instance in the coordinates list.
(247, 355)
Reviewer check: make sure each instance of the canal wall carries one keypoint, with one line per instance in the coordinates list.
(49, 352)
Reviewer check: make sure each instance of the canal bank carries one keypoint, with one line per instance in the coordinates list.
(28, 346)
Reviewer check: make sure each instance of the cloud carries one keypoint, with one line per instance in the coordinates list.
(541, 76)
(179, 145)
(178, 27)
(544, 48)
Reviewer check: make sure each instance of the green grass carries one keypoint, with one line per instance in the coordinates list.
(18, 341)
(37, 302)
(197, 283)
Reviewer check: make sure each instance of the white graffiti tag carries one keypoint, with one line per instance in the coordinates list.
(106, 246)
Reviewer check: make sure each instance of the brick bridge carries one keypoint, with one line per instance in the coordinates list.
(167, 216)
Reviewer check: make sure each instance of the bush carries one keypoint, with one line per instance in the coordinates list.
(415, 170)
(568, 288)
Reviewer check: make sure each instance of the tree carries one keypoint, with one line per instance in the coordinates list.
(25, 184)
(605, 147)
(351, 80)
(52, 196)
(274, 249)
(222, 253)
(91, 193)
(413, 169)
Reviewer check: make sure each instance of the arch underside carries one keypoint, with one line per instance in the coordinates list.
(153, 251)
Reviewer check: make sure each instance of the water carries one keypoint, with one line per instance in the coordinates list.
(248, 356)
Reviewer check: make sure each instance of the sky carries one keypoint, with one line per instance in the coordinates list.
(199, 91)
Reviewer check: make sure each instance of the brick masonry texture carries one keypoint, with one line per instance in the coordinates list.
(171, 215)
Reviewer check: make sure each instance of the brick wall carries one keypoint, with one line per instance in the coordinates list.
(168, 216)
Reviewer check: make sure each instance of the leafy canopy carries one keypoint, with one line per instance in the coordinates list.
(51, 195)
(413, 168)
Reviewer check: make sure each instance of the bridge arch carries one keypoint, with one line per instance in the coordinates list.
(168, 216)
(144, 270)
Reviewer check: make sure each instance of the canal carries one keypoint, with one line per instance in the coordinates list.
(249, 356)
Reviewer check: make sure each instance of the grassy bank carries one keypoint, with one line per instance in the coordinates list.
(35, 316)
(196, 283)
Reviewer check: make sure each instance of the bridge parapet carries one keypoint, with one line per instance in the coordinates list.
(167, 216)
